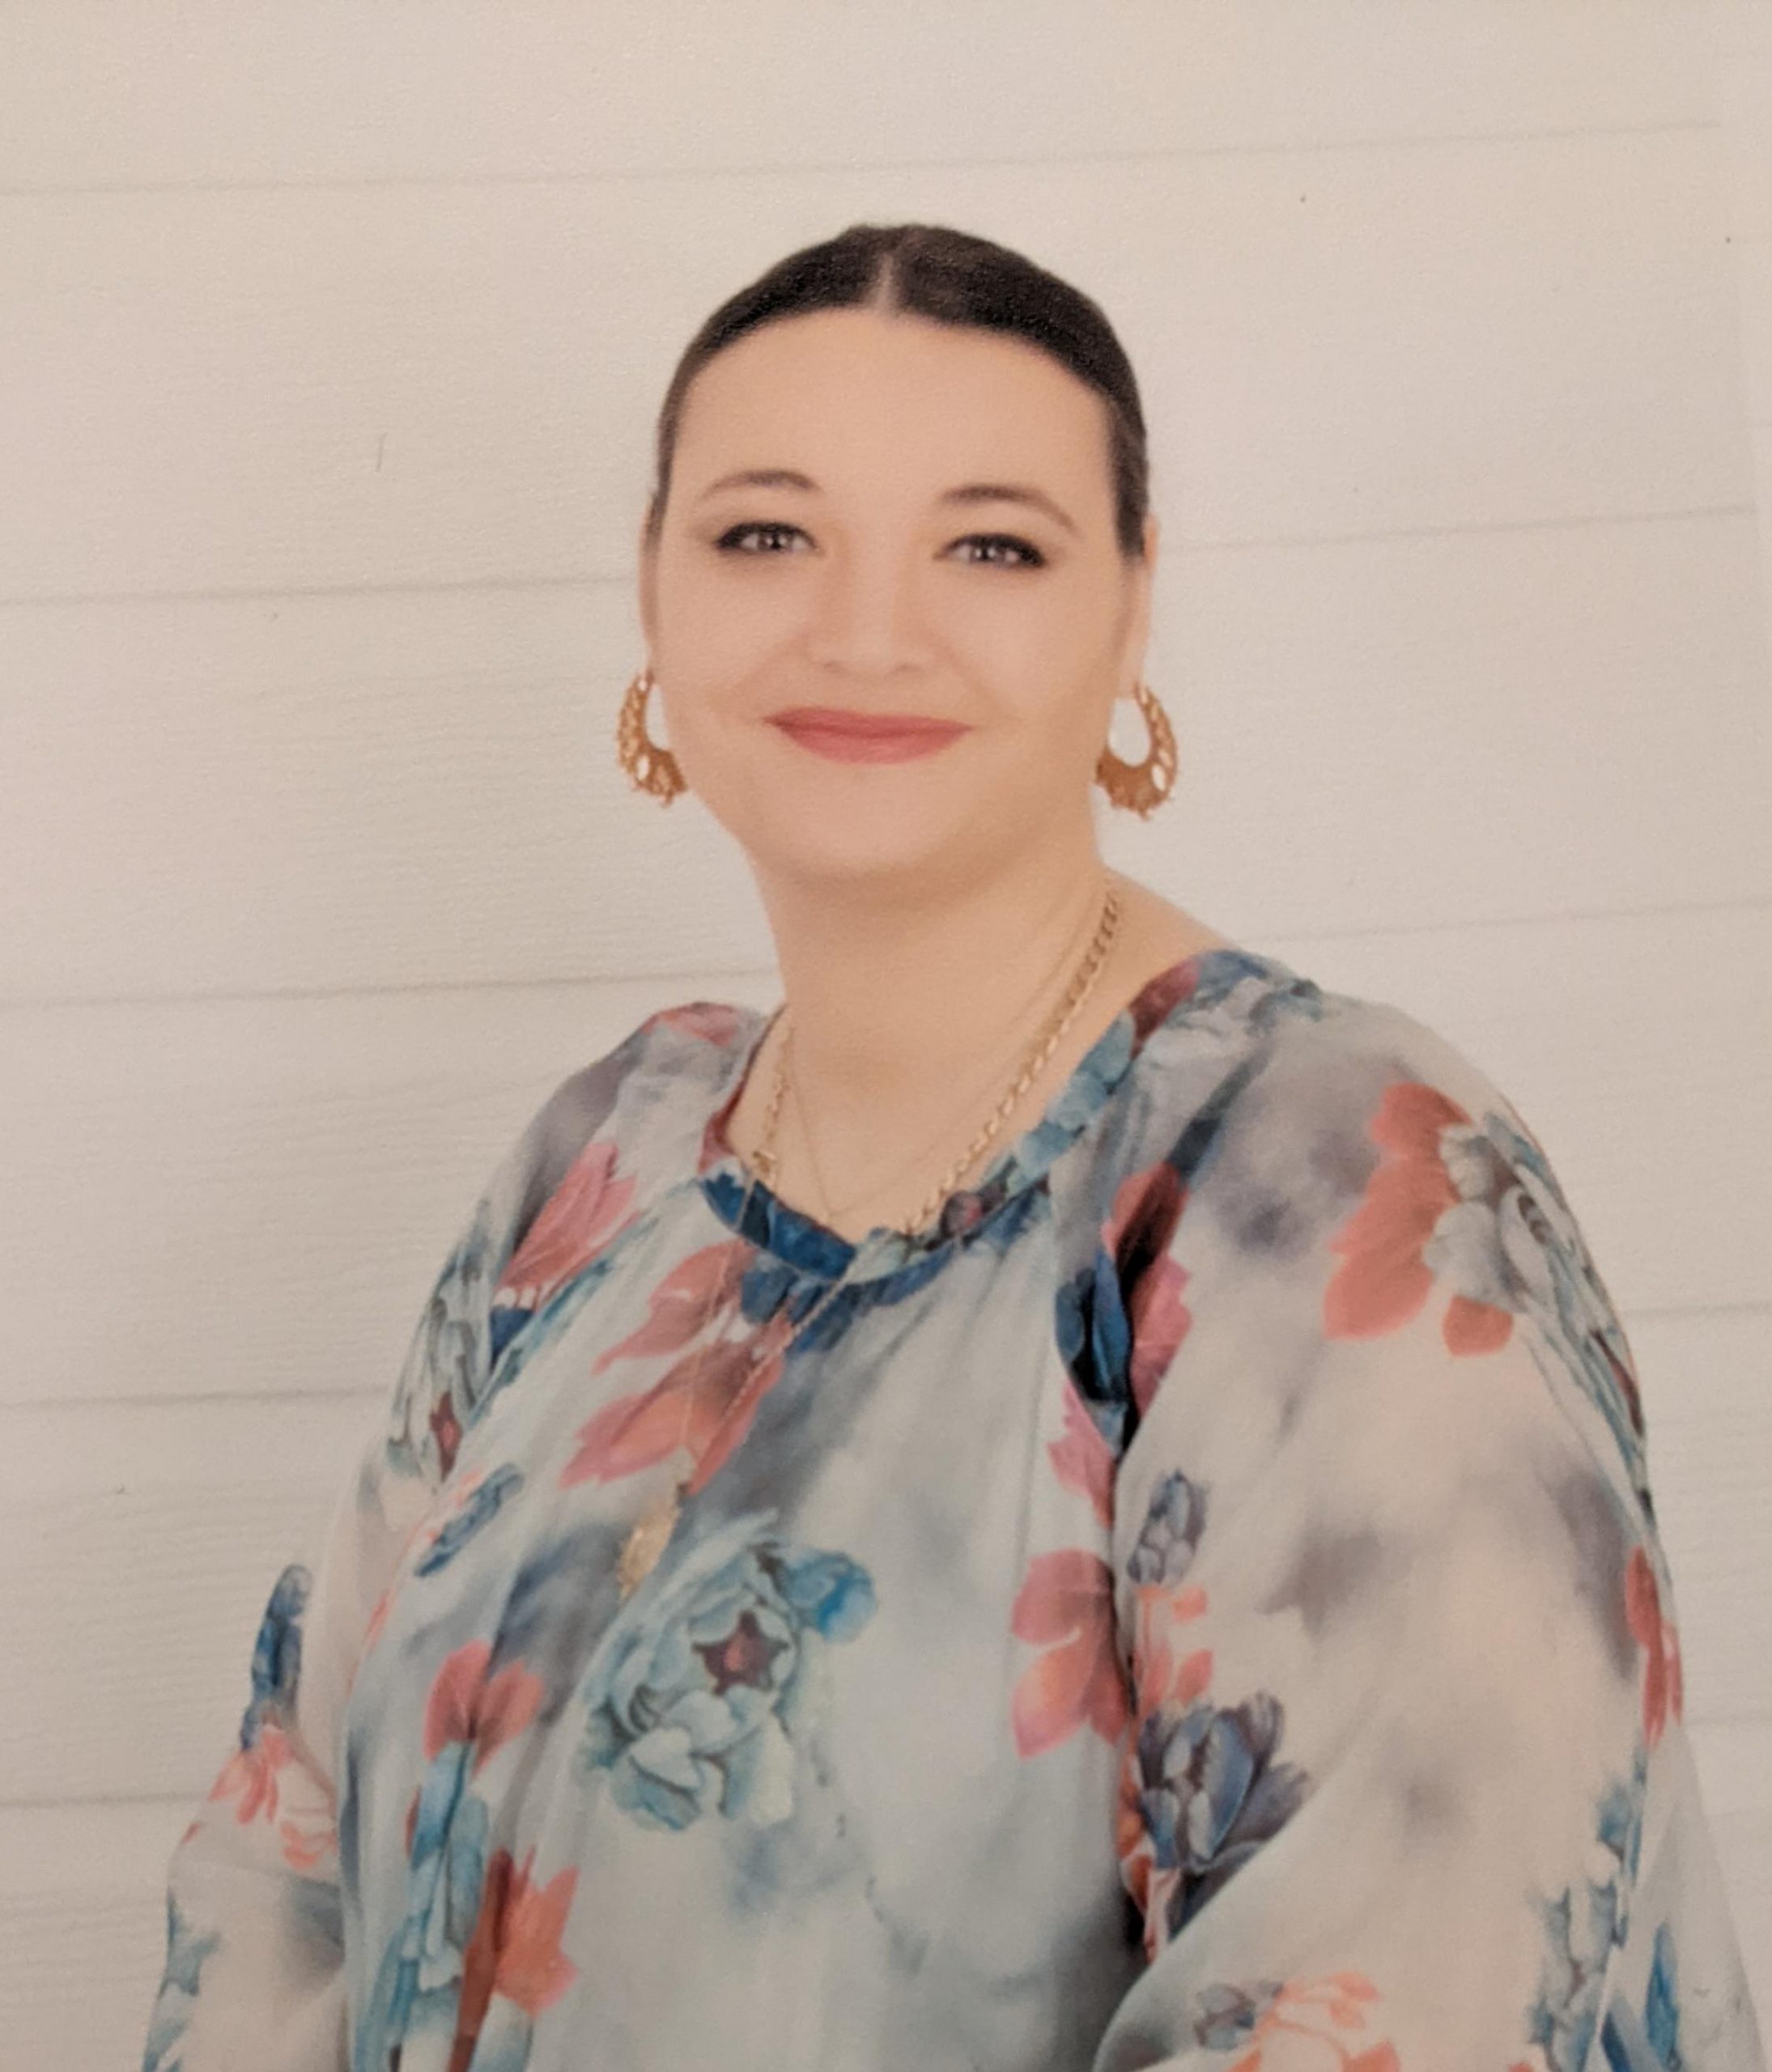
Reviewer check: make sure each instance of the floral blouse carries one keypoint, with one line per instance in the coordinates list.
(1197, 1604)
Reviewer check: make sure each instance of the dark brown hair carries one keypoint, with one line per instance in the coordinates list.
(950, 277)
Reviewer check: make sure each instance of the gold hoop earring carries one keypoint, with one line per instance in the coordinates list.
(1142, 787)
(650, 768)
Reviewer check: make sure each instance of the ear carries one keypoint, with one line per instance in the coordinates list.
(647, 566)
(1138, 624)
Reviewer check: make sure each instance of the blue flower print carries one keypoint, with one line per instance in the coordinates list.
(1170, 1536)
(276, 1667)
(186, 1956)
(1209, 1794)
(416, 1984)
(448, 1364)
(481, 1503)
(1650, 2044)
(474, 1712)
(1513, 1236)
(1222, 2017)
(694, 1693)
(1579, 1937)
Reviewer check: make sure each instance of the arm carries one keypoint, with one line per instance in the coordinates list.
(1406, 1786)
(254, 1973)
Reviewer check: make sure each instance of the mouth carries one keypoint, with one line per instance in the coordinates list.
(865, 737)
(832, 719)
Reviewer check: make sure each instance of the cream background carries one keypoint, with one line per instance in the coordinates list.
(331, 339)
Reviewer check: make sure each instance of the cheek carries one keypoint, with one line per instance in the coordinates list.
(1066, 730)
(726, 668)
(731, 596)
(1048, 637)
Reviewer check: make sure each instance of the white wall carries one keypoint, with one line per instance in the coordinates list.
(331, 339)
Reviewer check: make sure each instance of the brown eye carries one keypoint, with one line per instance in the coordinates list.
(1029, 555)
(728, 542)
(763, 537)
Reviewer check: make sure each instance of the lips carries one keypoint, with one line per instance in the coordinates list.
(843, 736)
(828, 718)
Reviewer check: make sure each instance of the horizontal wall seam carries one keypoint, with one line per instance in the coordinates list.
(596, 579)
(627, 174)
(17, 1006)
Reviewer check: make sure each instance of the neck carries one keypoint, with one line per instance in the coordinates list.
(890, 1002)
(911, 1019)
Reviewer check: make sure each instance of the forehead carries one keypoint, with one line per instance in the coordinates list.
(842, 390)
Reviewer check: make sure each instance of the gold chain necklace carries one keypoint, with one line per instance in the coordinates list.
(645, 1545)
(1085, 978)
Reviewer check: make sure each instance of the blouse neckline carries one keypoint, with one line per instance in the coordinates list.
(806, 1245)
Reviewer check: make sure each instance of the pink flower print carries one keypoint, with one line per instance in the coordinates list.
(304, 1847)
(515, 1949)
(704, 1404)
(576, 1222)
(1312, 2008)
(250, 1775)
(698, 1291)
(254, 1776)
(531, 1970)
(1385, 1277)
(1066, 1606)
(465, 1706)
(1082, 1459)
(1161, 1674)
(1663, 1683)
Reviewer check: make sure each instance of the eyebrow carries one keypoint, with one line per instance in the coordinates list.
(963, 493)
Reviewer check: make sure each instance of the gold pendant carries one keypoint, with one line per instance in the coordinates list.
(643, 1546)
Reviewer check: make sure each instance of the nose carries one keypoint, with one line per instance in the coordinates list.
(868, 621)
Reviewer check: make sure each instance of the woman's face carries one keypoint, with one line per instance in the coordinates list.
(936, 539)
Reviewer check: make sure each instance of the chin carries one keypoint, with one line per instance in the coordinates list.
(853, 848)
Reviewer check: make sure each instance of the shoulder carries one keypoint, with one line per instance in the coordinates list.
(590, 1160)
(636, 1113)
(1316, 1166)
(1357, 1194)
(1287, 1088)
(1277, 1096)
(643, 1095)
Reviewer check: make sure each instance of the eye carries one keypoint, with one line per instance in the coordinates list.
(728, 541)
(767, 527)
(1031, 556)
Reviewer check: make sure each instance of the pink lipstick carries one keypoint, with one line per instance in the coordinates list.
(865, 737)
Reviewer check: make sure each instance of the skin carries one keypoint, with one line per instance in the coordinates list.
(928, 915)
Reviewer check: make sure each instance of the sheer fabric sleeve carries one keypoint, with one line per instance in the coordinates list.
(253, 1972)
(1406, 1785)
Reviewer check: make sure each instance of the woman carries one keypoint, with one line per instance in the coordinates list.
(1068, 1500)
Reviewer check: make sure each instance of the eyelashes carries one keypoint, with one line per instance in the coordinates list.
(1027, 554)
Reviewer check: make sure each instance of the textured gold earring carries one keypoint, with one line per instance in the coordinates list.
(650, 768)
(1142, 787)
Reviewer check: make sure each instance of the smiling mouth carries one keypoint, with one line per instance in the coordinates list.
(833, 720)
(865, 737)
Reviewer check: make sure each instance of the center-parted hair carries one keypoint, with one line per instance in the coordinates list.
(948, 277)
